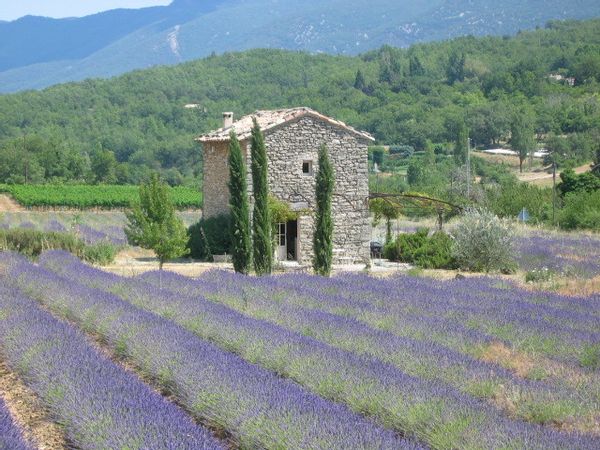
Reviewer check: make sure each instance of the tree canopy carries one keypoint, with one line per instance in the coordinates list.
(121, 129)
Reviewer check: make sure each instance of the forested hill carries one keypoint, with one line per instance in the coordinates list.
(36, 52)
(117, 130)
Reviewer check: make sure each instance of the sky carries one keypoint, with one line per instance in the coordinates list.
(13, 9)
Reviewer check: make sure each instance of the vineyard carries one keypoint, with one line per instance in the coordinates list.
(297, 361)
(87, 196)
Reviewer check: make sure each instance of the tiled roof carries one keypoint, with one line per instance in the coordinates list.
(271, 119)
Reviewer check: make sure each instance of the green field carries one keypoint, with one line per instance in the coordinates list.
(97, 196)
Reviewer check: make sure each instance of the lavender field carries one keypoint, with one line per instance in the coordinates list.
(92, 227)
(572, 255)
(299, 361)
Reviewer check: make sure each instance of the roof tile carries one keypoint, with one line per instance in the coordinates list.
(271, 119)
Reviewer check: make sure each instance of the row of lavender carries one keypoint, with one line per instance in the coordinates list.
(91, 227)
(432, 410)
(264, 299)
(254, 406)
(98, 403)
(11, 437)
(90, 235)
(458, 313)
(561, 253)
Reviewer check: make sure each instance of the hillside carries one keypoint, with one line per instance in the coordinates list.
(117, 130)
(36, 52)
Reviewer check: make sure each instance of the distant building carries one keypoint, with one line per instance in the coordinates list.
(570, 81)
(293, 138)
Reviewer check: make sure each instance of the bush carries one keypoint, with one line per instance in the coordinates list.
(102, 253)
(509, 199)
(32, 243)
(216, 240)
(405, 151)
(483, 243)
(581, 210)
(538, 275)
(427, 252)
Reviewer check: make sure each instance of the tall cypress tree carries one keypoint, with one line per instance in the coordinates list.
(323, 237)
(461, 144)
(241, 252)
(261, 220)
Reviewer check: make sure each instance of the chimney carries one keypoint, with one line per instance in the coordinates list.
(227, 119)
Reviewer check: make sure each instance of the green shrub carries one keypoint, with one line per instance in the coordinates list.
(216, 240)
(483, 243)
(427, 252)
(102, 253)
(32, 243)
(581, 211)
(509, 198)
(537, 275)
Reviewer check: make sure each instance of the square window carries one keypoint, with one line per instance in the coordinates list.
(307, 167)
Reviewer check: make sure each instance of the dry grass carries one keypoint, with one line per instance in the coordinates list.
(7, 204)
(527, 367)
(518, 363)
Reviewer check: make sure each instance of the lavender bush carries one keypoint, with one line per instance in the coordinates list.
(11, 437)
(255, 406)
(432, 410)
(422, 358)
(98, 403)
(559, 254)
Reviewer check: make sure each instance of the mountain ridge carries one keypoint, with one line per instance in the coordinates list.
(38, 52)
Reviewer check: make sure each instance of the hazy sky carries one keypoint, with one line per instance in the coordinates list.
(13, 9)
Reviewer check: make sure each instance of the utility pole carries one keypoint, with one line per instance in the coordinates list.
(468, 168)
(553, 191)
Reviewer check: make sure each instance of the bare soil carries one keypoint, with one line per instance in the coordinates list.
(29, 413)
(7, 204)
(545, 179)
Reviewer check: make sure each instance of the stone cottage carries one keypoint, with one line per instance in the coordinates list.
(293, 138)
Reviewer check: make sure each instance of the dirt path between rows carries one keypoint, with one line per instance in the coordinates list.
(28, 412)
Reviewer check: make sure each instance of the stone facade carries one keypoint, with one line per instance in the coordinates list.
(292, 148)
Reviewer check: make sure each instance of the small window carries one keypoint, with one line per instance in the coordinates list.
(307, 168)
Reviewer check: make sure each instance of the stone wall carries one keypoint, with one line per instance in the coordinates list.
(293, 143)
(288, 146)
(216, 176)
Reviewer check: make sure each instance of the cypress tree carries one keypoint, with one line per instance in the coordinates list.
(241, 245)
(323, 237)
(261, 220)
(359, 81)
(461, 144)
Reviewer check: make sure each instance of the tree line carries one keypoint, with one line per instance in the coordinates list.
(120, 130)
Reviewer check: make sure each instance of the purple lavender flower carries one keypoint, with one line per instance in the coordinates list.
(431, 410)
(11, 437)
(99, 404)
(258, 408)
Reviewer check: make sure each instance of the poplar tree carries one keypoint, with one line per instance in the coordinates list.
(241, 251)
(261, 221)
(522, 136)
(323, 237)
